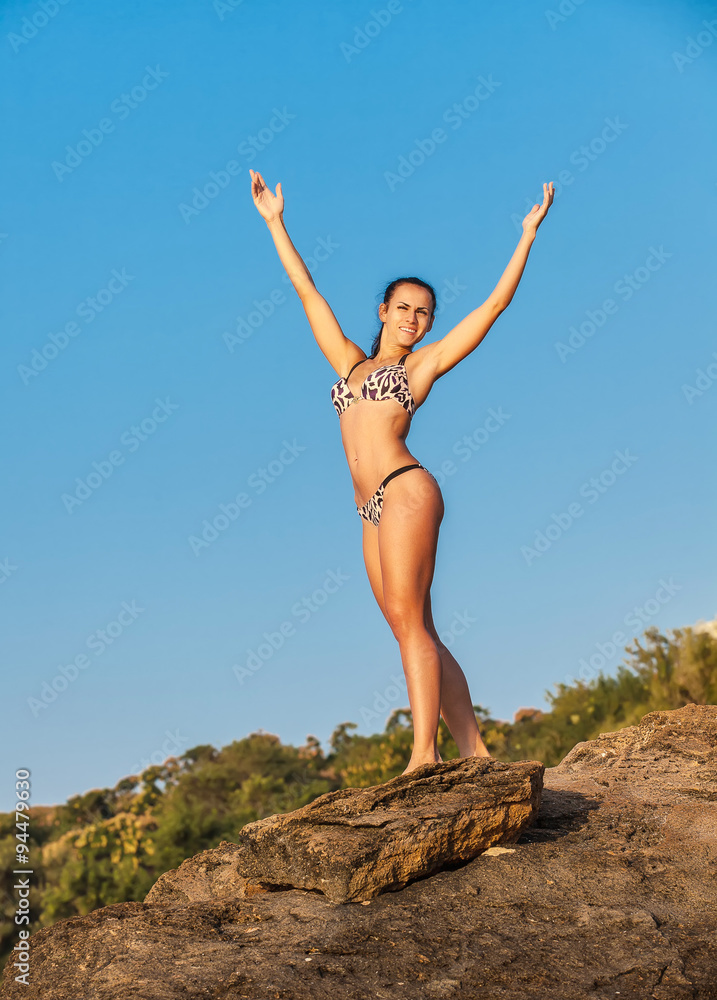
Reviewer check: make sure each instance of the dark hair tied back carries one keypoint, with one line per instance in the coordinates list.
(388, 295)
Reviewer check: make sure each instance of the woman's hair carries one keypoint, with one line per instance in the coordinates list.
(388, 295)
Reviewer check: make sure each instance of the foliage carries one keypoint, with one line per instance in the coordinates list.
(662, 672)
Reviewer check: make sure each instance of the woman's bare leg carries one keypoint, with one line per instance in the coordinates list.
(407, 540)
(456, 706)
(456, 703)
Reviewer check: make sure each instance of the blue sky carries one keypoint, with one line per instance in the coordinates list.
(156, 366)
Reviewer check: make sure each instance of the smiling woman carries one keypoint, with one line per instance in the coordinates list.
(401, 516)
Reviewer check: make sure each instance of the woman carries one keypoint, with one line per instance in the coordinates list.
(399, 501)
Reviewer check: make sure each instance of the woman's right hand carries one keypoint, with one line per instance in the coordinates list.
(270, 206)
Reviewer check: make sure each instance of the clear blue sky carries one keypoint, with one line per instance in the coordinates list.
(127, 281)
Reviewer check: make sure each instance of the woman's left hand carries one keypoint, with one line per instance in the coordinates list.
(538, 212)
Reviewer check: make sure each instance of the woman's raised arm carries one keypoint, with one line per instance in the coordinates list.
(444, 354)
(340, 352)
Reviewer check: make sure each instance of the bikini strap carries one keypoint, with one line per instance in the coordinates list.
(403, 359)
(355, 366)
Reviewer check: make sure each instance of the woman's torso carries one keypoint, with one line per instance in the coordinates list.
(376, 407)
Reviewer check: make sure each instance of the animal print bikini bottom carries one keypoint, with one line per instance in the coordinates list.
(371, 510)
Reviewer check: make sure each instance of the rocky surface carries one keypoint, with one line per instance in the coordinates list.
(610, 894)
(354, 843)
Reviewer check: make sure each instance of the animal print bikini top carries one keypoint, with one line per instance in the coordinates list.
(386, 382)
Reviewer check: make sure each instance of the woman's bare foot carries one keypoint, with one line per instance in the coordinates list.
(418, 761)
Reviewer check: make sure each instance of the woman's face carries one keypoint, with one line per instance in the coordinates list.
(408, 316)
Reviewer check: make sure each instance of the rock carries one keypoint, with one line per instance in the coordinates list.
(210, 875)
(527, 715)
(610, 894)
(354, 843)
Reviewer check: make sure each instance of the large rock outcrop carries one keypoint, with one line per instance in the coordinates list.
(611, 893)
